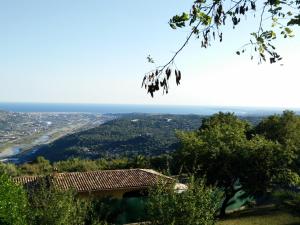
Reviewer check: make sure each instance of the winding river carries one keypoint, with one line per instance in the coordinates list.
(13, 154)
(9, 152)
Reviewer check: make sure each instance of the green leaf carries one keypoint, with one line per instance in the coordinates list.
(185, 16)
(205, 19)
(288, 30)
(260, 39)
(294, 21)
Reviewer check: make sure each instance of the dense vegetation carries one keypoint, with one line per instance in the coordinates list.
(45, 205)
(198, 205)
(224, 155)
(235, 157)
(13, 202)
(127, 136)
(130, 135)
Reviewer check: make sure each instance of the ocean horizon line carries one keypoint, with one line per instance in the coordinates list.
(151, 105)
(139, 108)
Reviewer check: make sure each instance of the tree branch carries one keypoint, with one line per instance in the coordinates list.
(261, 19)
(191, 34)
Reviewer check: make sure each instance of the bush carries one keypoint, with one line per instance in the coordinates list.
(13, 202)
(198, 205)
(53, 207)
(9, 169)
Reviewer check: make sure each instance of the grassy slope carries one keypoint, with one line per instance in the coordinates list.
(267, 215)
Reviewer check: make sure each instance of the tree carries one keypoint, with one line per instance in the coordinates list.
(221, 152)
(264, 165)
(196, 206)
(206, 20)
(285, 129)
(13, 202)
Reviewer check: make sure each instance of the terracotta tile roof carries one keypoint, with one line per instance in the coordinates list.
(24, 180)
(101, 180)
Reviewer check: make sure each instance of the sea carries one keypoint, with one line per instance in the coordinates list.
(131, 108)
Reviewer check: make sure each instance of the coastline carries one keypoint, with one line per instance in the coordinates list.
(139, 108)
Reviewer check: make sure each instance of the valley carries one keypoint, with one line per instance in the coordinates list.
(128, 135)
(20, 132)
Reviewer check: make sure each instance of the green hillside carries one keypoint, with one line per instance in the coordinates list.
(128, 135)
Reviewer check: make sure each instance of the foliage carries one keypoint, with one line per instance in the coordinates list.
(221, 151)
(197, 205)
(51, 206)
(207, 19)
(9, 169)
(13, 202)
(285, 129)
(264, 165)
(148, 135)
(106, 138)
(82, 165)
(218, 139)
(114, 211)
(42, 204)
(225, 149)
(39, 166)
(145, 135)
(99, 211)
(79, 165)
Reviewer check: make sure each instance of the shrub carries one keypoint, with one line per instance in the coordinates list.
(50, 206)
(13, 202)
(198, 205)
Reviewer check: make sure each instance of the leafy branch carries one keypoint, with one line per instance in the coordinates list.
(206, 19)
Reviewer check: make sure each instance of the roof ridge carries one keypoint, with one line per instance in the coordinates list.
(156, 173)
(94, 171)
(151, 171)
(28, 176)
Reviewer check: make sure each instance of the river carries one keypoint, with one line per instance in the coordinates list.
(12, 154)
(8, 153)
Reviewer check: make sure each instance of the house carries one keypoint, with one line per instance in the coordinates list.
(114, 183)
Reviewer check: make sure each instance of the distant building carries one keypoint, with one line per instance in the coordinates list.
(114, 183)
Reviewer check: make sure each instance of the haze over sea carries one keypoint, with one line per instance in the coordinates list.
(127, 108)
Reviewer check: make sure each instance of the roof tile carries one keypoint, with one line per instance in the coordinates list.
(101, 180)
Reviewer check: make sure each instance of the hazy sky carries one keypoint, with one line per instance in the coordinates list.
(95, 51)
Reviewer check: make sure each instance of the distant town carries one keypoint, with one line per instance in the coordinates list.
(23, 131)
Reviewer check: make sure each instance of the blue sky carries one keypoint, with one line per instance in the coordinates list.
(95, 52)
